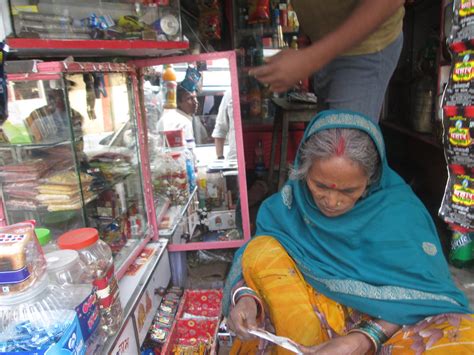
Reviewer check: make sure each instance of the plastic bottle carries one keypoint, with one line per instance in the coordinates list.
(97, 255)
(294, 42)
(169, 87)
(202, 186)
(190, 164)
(66, 269)
(461, 247)
(44, 238)
(255, 99)
(267, 105)
(259, 160)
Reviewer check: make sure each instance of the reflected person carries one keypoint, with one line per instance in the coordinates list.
(188, 103)
(224, 128)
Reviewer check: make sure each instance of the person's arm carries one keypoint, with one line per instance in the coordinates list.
(288, 67)
(219, 147)
(352, 343)
(221, 127)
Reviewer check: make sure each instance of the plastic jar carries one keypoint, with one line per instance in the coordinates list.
(97, 255)
(179, 180)
(215, 189)
(35, 318)
(44, 238)
(65, 268)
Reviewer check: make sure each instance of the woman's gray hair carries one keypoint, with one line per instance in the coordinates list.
(353, 144)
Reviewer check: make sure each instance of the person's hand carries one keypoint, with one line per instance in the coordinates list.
(353, 343)
(242, 317)
(284, 70)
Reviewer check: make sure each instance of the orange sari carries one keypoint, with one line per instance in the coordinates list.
(295, 310)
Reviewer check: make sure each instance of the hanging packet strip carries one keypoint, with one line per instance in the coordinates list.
(460, 88)
(259, 11)
(463, 21)
(3, 84)
(458, 201)
(458, 126)
(210, 20)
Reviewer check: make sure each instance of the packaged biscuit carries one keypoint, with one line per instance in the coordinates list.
(458, 201)
(458, 124)
(21, 258)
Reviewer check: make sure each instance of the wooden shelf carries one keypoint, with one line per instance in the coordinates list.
(32, 47)
(427, 138)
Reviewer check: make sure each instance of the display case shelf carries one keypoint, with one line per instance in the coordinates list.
(44, 144)
(31, 47)
(427, 138)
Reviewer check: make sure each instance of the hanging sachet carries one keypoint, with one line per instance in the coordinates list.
(458, 124)
(463, 22)
(458, 201)
(460, 88)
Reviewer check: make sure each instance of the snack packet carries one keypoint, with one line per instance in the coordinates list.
(458, 124)
(458, 201)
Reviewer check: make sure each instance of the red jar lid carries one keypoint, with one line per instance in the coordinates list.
(78, 238)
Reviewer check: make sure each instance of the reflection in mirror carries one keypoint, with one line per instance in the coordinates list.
(190, 122)
(107, 149)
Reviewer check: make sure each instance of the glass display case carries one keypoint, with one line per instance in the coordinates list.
(200, 134)
(157, 20)
(58, 165)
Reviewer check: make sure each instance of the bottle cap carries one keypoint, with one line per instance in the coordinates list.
(43, 235)
(77, 239)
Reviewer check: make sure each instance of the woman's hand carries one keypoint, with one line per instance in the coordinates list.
(242, 317)
(353, 343)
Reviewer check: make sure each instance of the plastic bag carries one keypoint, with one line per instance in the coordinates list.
(259, 11)
(210, 19)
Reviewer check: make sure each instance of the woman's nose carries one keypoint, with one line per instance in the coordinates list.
(332, 199)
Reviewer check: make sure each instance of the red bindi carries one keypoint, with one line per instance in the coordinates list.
(333, 186)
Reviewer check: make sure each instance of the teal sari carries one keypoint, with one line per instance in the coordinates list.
(382, 258)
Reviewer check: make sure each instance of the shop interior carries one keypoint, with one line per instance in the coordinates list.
(91, 151)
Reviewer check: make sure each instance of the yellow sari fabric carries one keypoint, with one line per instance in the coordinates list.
(295, 310)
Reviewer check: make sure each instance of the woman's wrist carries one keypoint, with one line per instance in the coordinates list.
(247, 292)
(363, 343)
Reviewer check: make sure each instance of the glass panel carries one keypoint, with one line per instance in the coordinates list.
(204, 198)
(107, 150)
(93, 19)
(38, 172)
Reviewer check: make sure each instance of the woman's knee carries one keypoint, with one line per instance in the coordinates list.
(259, 250)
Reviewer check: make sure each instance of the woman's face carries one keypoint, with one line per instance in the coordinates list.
(336, 184)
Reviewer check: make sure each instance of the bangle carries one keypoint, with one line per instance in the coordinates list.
(372, 340)
(373, 331)
(238, 293)
(242, 292)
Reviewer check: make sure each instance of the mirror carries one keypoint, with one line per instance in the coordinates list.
(206, 121)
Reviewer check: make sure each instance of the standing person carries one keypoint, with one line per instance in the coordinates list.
(355, 48)
(346, 259)
(184, 117)
(224, 128)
